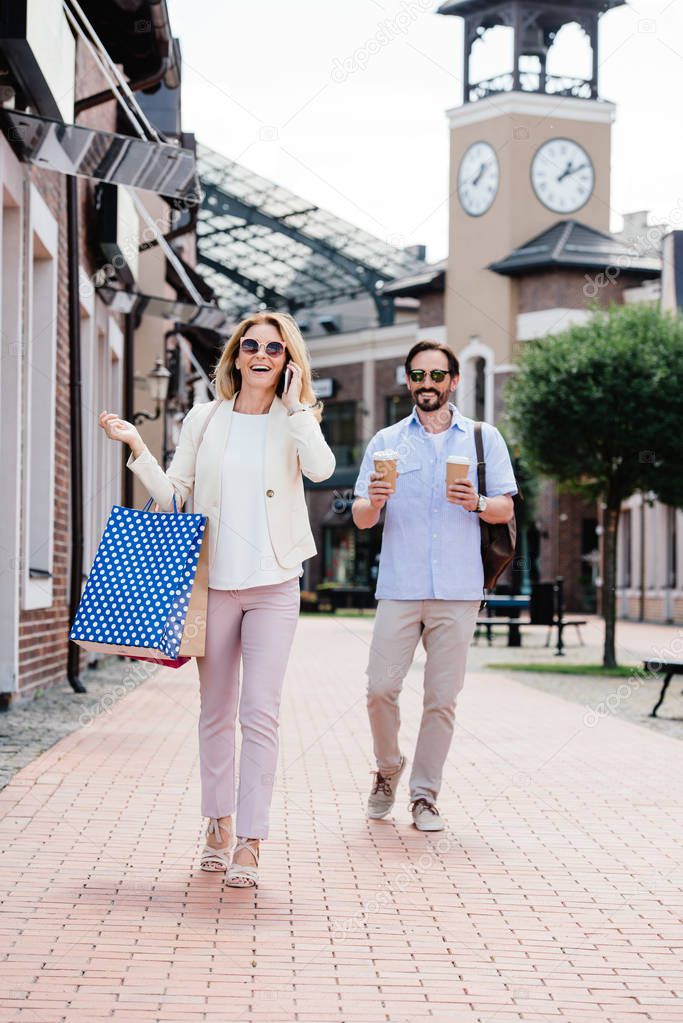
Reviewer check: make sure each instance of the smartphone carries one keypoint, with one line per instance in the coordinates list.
(288, 379)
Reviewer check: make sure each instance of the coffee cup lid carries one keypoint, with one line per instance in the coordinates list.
(386, 456)
(458, 460)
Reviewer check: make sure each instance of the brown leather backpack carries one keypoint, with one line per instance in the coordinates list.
(498, 541)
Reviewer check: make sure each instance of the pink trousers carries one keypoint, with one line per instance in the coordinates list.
(256, 626)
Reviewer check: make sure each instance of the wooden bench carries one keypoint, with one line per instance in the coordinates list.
(666, 668)
(546, 609)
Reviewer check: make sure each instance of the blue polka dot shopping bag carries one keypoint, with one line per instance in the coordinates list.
(147, 591)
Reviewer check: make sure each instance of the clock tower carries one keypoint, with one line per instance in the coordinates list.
(527, 149)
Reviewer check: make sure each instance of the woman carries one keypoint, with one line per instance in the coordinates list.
(246, 474)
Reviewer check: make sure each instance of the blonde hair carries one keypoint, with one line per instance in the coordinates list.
(227, 377)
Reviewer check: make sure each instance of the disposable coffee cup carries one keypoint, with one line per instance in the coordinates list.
(457, 469)
(385, 466)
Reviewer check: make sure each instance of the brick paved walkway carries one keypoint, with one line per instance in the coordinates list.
(630, 696)
(555, 894)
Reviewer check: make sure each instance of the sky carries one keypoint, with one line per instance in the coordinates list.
(345, 103)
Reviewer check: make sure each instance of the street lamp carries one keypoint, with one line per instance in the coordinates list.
(158, 388)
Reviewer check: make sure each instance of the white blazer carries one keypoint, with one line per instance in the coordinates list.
(294, 445)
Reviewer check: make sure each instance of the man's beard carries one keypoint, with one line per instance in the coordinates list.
(427, 402)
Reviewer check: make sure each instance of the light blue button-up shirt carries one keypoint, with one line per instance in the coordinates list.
(430, 547)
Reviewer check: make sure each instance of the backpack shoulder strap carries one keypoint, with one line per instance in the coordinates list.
(481, 463)
(207, 421)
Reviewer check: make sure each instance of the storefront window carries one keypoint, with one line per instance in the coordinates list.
(671, 549)
(350, 556)
(398, 406)
(625, 544)
(340, 431)
(340, 556)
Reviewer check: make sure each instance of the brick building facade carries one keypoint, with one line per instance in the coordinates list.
(36, 386)
(42, 650)
(42, 646)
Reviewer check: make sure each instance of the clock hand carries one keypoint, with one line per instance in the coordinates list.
(475, 181)
(568, 170)
(581, 166)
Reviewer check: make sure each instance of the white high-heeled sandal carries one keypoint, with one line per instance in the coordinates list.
(242, 875)
(213, 859)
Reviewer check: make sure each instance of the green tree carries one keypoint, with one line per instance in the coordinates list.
(599, 409)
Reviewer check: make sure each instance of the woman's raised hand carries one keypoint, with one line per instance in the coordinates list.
(292, 396)
(119, 429)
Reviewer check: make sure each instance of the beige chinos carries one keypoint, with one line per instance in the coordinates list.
(448, 631)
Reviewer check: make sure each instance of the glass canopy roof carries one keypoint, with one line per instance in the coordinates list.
(257, 240)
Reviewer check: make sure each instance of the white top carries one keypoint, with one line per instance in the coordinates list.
(244, 552)
(439, 441)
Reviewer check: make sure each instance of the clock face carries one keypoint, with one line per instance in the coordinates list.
(478, 178)
(562, 175)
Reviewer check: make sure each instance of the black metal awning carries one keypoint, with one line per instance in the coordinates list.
(206, 344)
(431, 280)
(158, 167)
(201, 286)
(206, 335)
(185, 314)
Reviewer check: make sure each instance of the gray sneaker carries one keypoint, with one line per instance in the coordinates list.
(425, 815)
(383, 791)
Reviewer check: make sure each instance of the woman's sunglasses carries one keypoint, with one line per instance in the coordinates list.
(437, 375)
(251, 346)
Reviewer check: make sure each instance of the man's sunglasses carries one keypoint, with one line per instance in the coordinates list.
(251, 346)
(437, 375)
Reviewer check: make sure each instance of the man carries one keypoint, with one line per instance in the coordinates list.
(431, 579)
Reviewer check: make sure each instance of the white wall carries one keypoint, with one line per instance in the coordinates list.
(40, 369)
(657, 546)
(102, 351)
(54, 46)
(465, 393)
(11, 411)
(548, 321)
